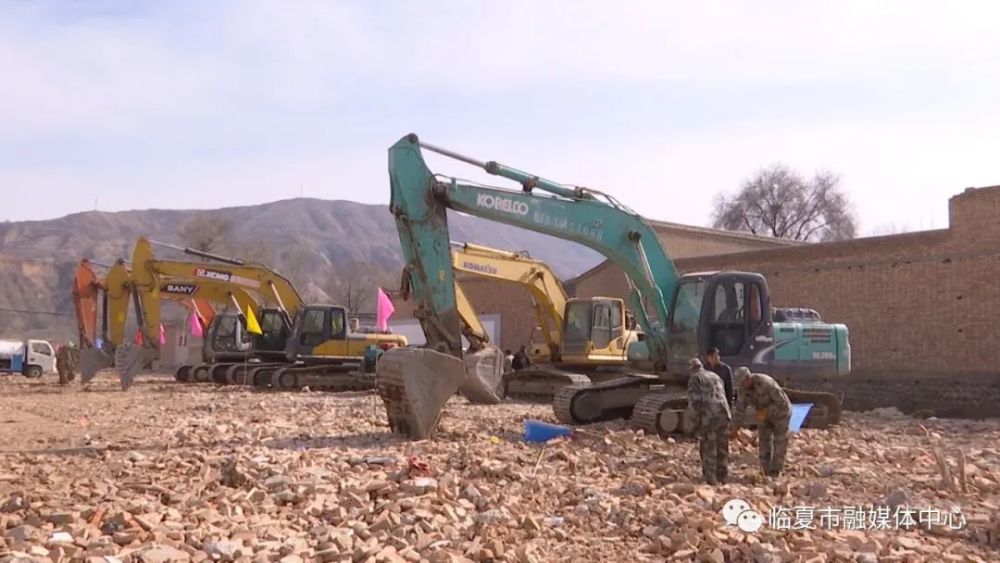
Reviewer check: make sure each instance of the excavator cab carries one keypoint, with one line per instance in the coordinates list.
(732, 311)
(595, 330)
(276, 328)
(729, 310)
(227, 335)
(319, 331)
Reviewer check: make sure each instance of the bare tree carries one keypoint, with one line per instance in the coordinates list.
(891, 229)
(779, 202)
(205, 232)
(356, 286)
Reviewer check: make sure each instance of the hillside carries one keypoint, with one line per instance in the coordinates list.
(317, 243)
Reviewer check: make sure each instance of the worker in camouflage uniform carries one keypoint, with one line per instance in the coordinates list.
(66, 361)
(709, 414)
(774, 410)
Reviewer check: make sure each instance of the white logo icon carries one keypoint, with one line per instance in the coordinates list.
(739, 513)
(504, 204)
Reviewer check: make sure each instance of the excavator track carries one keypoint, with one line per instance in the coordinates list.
(217, 373)
(586, 404)
(661, 413)
(201, 373)
(183, 373)
(331, 379)
(261, 376)
(540, 384)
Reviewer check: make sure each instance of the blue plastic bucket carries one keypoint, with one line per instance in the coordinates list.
(538, 431)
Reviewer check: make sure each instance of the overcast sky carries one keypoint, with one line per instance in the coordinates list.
(187, 104)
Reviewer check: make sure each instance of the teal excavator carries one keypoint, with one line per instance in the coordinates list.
(679, 315)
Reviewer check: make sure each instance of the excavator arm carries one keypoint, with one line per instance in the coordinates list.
(272, 287)
(548, 296)
(87, 289)
(419, 202)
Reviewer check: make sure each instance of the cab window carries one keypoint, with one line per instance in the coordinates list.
(41, 348)
(312, 327)
(337, 324)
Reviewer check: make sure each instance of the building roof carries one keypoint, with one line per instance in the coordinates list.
(666, 227)
(661, 226)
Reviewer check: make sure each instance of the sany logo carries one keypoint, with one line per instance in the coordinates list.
(505, 204)
(212, 274)
(179, 288)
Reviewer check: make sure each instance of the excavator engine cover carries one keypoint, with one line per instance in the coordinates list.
(484, 371)
(415, 384)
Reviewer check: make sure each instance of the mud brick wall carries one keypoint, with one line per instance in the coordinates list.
(510, 300)
(961, 395)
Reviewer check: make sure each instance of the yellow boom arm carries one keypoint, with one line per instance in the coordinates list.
(546, 291)
(246, 286)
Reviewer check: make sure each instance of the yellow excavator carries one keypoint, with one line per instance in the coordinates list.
(557, 316)
(98, 351)
(229, 345)
(572, 353)
(327, 353)
(320, 352)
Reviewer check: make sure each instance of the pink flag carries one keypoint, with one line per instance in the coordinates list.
(163, 335)
(384, 311)
(196, 329)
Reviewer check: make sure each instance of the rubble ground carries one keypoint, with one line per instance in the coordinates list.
(185, 472)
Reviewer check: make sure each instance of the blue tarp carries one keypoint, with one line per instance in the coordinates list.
(799, 413)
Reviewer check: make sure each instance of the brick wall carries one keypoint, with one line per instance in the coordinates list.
(509, 300)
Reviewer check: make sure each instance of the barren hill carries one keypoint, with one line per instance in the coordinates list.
(317, 243)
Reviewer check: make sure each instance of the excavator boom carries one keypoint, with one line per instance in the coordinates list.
(547, 293)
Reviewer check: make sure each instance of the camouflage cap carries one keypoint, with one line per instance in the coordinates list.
(742, 375)
(694, 364)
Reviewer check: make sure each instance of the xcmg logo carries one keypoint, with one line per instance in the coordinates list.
(504, 204)
(212, 274)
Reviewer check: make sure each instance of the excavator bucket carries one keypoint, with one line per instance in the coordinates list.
(93, 360)
(136, 358)
(484, 371)
(415, 384)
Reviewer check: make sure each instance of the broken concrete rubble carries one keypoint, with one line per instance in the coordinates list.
(224, 474)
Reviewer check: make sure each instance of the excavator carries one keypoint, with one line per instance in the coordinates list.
(300, 345)
(679, 315)
(324, 352)
(566, 347)
(559, 318)
(116, 289)
(229, 347)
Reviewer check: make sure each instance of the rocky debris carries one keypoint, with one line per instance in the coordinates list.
(208, 474)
